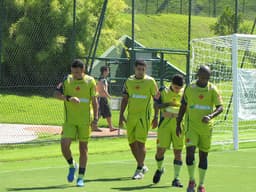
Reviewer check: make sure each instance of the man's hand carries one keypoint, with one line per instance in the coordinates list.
(154, 123)
(74, 100)
(206, 119)
(178, 130)
(121, 121)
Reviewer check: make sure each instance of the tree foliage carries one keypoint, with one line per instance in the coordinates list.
(38, 36)
(226, 22)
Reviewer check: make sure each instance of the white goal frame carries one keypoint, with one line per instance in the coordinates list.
(232, 43)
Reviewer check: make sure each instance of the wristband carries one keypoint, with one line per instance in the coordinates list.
(68, 98)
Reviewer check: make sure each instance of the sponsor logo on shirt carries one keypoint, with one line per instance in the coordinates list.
(188, 141)
(84, 100)
(200, 107)
(137, 96)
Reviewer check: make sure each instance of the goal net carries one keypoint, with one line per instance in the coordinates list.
(232, 60)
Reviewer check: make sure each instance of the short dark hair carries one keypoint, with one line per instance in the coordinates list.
(204, 69)
(140, 62)
(178, 80)
(77, 63)
(103, 68)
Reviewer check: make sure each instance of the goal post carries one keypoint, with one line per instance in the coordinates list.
(231, 58)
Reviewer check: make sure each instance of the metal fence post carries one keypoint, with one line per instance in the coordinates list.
(74, 31)
(1, 41)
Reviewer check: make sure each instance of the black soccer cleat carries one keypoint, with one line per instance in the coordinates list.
(176, 183)
(158, 175)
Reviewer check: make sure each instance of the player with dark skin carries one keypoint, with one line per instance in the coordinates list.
(201, 91)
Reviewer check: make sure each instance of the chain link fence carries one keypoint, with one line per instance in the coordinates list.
(38, 41)
(209, 8)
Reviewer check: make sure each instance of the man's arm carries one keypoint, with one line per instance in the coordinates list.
(181, 113)
(164, 105)
(156, 111)
(95, 107)
(218, 110)
(59, 95)
(124, 103)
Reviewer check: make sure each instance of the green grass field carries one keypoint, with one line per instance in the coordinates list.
(110, 166)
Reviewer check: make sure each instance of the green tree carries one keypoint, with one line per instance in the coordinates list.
(38, 43)
(226, 21)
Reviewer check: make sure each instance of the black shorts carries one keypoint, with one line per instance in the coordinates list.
(104, 108)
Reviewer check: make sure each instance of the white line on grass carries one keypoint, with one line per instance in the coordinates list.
(120, 162)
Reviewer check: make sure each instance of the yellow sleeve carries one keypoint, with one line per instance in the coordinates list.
(154, 88)
(217, 99)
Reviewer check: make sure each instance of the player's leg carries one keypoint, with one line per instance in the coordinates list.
(65, 149)
(190, 161)
(68, 133)
(83, 136)
(178, 144)
(177, 164)
(83, 149)
(203, 164)
(191, 141)
(139, 152)
(163, 142)
(159, 157)
(204, 148)
(140, 132)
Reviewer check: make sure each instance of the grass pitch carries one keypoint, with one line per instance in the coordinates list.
(111, 166)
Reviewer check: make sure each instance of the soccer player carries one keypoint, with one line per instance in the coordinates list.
(137, 95)
(78, 93)
(169, 103)
(102, 88)
(198, 103)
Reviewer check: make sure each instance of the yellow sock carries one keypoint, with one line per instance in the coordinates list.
(202, 173)
(159, 164)
(191, 172)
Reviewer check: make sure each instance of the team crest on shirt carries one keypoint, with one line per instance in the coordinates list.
(201, 96)
(187, 140)
(78, 88)
(137, 87)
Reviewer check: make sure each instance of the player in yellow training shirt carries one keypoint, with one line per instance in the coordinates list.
(198, 103)
(137, 95)
(78, 93)
(169, 103)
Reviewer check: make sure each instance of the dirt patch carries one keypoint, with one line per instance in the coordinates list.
(45, 129)
(56, 130)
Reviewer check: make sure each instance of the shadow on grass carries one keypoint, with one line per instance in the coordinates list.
(108, 179)
(135, 188)
(40, 188)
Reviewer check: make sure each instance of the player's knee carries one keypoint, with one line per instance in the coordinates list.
(159, 158)
(177, 162)
(190, 159)
(203, 163)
